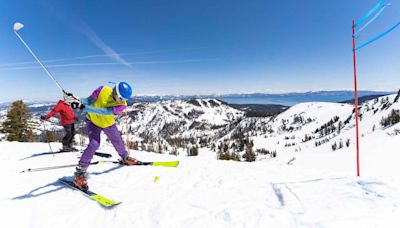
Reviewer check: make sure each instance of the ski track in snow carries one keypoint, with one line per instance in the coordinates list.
(201, 192)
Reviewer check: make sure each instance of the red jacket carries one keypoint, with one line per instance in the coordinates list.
(67, 115)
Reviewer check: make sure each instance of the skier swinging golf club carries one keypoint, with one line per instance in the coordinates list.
(102, 106)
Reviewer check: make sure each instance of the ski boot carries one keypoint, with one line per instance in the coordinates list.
(73, 149)
(80, 179)
(129, 161)
(66, 149)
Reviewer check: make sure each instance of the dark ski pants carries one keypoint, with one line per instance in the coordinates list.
(69, 135)
(94, 132)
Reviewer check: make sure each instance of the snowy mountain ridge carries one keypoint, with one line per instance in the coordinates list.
(319, 128)
(305, 126)
(181, 118)
(203, 122)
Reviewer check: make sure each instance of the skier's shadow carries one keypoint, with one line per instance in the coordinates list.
(56, 186)
(79, 153)
(32, 194)
(41, 154)
(106, 171)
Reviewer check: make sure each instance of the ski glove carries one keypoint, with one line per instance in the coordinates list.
(43, 117)
(77, 104)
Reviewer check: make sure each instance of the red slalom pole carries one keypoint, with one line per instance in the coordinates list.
(356, 101)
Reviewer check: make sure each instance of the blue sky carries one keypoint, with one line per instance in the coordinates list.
(193, 47)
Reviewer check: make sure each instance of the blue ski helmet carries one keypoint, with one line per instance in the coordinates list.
(123, 90)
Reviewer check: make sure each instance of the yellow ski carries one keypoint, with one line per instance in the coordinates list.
(103, 201)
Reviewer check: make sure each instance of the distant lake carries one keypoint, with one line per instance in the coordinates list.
(295, 98)
(260, 100)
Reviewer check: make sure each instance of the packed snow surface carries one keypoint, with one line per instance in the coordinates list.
(316, 190)
(308, 184)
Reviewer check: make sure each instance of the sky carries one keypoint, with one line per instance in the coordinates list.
(180, 47)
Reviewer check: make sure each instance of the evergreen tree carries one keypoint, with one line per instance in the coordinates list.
(397, 97)
(334, 146)
(193, 151)
(50, 136)
(134, 145)
(174, 151)
(249, 155)
(159, 148)
(16, 126)
(347, 142)
(393, 118)
(340, 127)
(228, 156)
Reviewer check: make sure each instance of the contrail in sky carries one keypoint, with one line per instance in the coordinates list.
(16, 64)
(91, 34)
(107, 64)
(77, 23)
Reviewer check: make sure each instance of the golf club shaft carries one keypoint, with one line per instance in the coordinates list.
(41, 64)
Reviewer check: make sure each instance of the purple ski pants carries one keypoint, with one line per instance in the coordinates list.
(94, 142)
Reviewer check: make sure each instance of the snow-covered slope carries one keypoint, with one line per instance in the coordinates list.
(315, 124)
(202, 191)
(180, 119)
(308, 184)
(290, 128)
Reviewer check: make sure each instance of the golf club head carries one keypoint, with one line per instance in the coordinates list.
(18, 26)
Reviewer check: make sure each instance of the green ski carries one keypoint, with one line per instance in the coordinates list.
(139, 163)
(103, 201)
(161, 163)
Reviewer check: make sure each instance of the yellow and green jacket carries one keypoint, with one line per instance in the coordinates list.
(102, 108)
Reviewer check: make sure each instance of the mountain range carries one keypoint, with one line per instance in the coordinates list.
(176, 125)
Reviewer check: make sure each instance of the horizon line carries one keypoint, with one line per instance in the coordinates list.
(213, 94)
